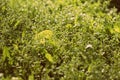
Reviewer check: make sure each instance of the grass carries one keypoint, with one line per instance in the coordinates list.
(59, 40)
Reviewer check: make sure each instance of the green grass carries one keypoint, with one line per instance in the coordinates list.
(59, 40)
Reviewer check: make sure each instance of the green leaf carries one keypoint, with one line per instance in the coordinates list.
(49, 57)
(5, 53)
(16, 24)
(31, 77)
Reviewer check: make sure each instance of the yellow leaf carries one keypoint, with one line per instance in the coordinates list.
(42, 41)
(45, 34)
(117, 29)
(41, 36)
(68, 26)
(49, 57)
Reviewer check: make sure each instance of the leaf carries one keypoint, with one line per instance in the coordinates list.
(49, 57)
(31, 77)
(15, 46)
(16, 24)
(117, 29)
(44, 34)
(42, 41)
(114, 30)
(12, 3)
(5, 53)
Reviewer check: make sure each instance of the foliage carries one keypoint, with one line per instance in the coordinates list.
(59, 40)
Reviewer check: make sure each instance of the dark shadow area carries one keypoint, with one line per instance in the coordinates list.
(116, 4)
